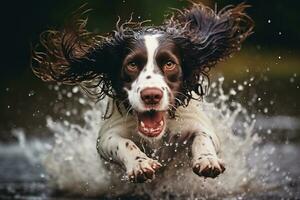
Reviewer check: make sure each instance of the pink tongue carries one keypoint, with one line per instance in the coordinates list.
(151, 119)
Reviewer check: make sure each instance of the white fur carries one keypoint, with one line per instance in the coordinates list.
(156, 80)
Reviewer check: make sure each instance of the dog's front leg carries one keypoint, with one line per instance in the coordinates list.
(204, 152)
(139, 167)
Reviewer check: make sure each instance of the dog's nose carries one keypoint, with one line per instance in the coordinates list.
(151, 95)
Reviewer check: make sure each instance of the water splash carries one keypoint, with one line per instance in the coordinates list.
(73, 163)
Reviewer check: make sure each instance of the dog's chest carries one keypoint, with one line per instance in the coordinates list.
(168, 148)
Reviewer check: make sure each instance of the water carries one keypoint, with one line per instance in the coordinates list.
(68, 166)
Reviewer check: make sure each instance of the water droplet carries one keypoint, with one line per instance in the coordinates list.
(68, 113)
(68, 158)
(82, 101)
(221, 79)
(240, 87)
(213, 85)
(232, 92)
(56, 87)
(31, 93)
(75, 89)
(66, 123)
(69, 94)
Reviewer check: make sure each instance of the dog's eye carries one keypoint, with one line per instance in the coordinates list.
(132, 67)
(169, 66)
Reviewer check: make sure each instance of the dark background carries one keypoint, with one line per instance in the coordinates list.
(273, 51)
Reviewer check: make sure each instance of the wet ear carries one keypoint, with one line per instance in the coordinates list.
(207, 36)
(76, 56)
(68, 56)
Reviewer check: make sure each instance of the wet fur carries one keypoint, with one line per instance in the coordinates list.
(76, 56)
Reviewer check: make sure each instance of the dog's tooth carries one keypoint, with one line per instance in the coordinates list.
(161, 123)
(142, 124)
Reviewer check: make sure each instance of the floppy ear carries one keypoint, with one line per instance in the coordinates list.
(66, 56)
(207, 36)
(76, 56)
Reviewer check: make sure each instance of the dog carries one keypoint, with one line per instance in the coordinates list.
(153, 80)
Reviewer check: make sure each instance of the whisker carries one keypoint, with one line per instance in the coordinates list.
(127, 113)
(179, 101)
(177, 92)
(171, 105)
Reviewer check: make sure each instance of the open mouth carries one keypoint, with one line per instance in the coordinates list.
(151, 123)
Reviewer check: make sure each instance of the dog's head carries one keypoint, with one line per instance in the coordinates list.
(152, 76)
(150, 70)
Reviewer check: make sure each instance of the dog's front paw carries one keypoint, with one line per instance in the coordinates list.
(208, 166)
(143, 169)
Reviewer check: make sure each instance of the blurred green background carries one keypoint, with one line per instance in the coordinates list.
(271, 54)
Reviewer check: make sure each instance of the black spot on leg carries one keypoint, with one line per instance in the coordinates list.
(148, 77)
(109, 137)
(206, 154)
(137, 157)
(117, 147)
(127, 143)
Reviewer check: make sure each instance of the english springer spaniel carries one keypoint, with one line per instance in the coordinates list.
(153, 80)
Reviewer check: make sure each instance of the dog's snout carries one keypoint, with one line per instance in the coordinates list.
(151, 95)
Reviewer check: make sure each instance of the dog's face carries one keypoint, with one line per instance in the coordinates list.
(152, 77)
